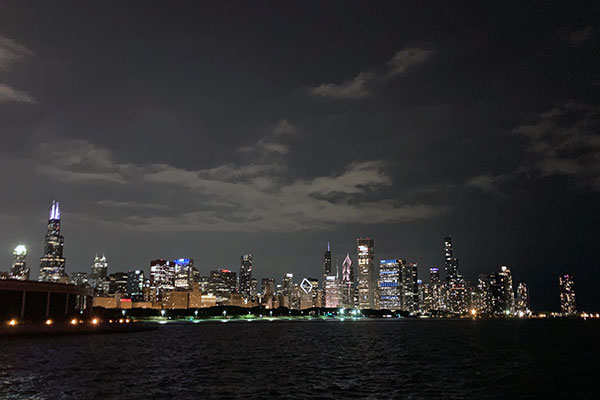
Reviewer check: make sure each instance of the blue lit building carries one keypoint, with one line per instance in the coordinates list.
(390, 284)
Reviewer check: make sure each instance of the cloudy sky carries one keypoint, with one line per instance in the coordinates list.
(212, 129)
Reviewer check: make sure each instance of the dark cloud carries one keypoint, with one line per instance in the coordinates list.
(208, 130)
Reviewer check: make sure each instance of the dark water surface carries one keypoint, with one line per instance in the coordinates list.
(414, 359)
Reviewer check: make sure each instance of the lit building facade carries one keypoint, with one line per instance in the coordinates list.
(135, 285)
(522, 305)
(183, 268)
(246, 275)
(567, 295)
(409, 296)
(268, 291)
(367, 276)
(79, 279)
(162, 277)
(347, 283)
(509, 292)
(52, 263)
(223, 282)
(326, 264)
(450, 262)
(19, 268)
(333, 292)
(390, 284)
(98, 273)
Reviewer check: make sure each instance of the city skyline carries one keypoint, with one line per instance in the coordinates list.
(391, 283)
(202, 134)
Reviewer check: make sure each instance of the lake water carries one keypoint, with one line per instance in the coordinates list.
(416, 359)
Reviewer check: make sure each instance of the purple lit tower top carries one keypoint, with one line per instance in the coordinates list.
(55, 211)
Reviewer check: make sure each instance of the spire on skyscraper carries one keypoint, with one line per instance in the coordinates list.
(55, 210)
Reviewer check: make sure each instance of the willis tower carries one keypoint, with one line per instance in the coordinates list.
(52, 263)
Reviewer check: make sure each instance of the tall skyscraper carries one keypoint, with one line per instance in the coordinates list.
(347, 284)
(268, 291)
(522, 305)
(567, 295)
(52, 263)
(19, 268)
(436, 290)
(135, 285)
(222, 283)
(326, 264)
(286, 290)
(183, 273)
(99, 273)
(390, 284)
(409, 294)
(162, 277)
(333, 298)
(367, 276)
(509, 292)
(450, 263)
(245, 275)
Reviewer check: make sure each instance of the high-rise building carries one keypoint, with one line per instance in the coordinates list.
(253, 287)
(436, 290)
(409, 295)
(347, 283)
(509, 292)
(19, 268)
(286, 290)
(183, 273)
(162, 277)
(223, 282)
(245, 275)
(333, 294)
(117, 283)
(522, 304)
(367, 276)
(52, 263)
(268, 291)
(390, 284)
(99, 273)
(79, 279)
(135, 285)
(450, 263)
(326, 264)
(567, 295)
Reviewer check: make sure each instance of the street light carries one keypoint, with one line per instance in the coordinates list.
(196, 313)
(162, 312)
(224, 313)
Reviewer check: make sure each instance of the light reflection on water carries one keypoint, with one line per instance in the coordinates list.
(366, 359)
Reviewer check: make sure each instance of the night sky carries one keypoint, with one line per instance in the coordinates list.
(212, 129)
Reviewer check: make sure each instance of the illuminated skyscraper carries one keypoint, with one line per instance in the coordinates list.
(522, 305)
(390, 284)
(333, 294)
(567, 295)
(509, 292)
(347, 284)
(409, 295)
(222, 283)
(117, 283)
(436, 290)
(326, 264)
(183, 268)
(367, 276)
(79, 278)
(99, 273)
(286, 290)
(450, 263)
(52, 263)
(19, 268)
(268, 291)
(245, 275)
(162, 277)
(135, 285)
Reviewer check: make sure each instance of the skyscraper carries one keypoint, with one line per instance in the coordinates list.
(222, 283)
(19, 268)
(162, 277)
(286, 290)
(268, 289)
(567, 295)
(450, 263)
(135, 285)
(367, 276)
(436, 290)
(409, 294)
(333, 298)
(390, 285)
(326, 264)
(99, 272)
(52, 263)
(522, 305)
(509, 292)
(245, 275)
(183, 273)
(347, 284)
